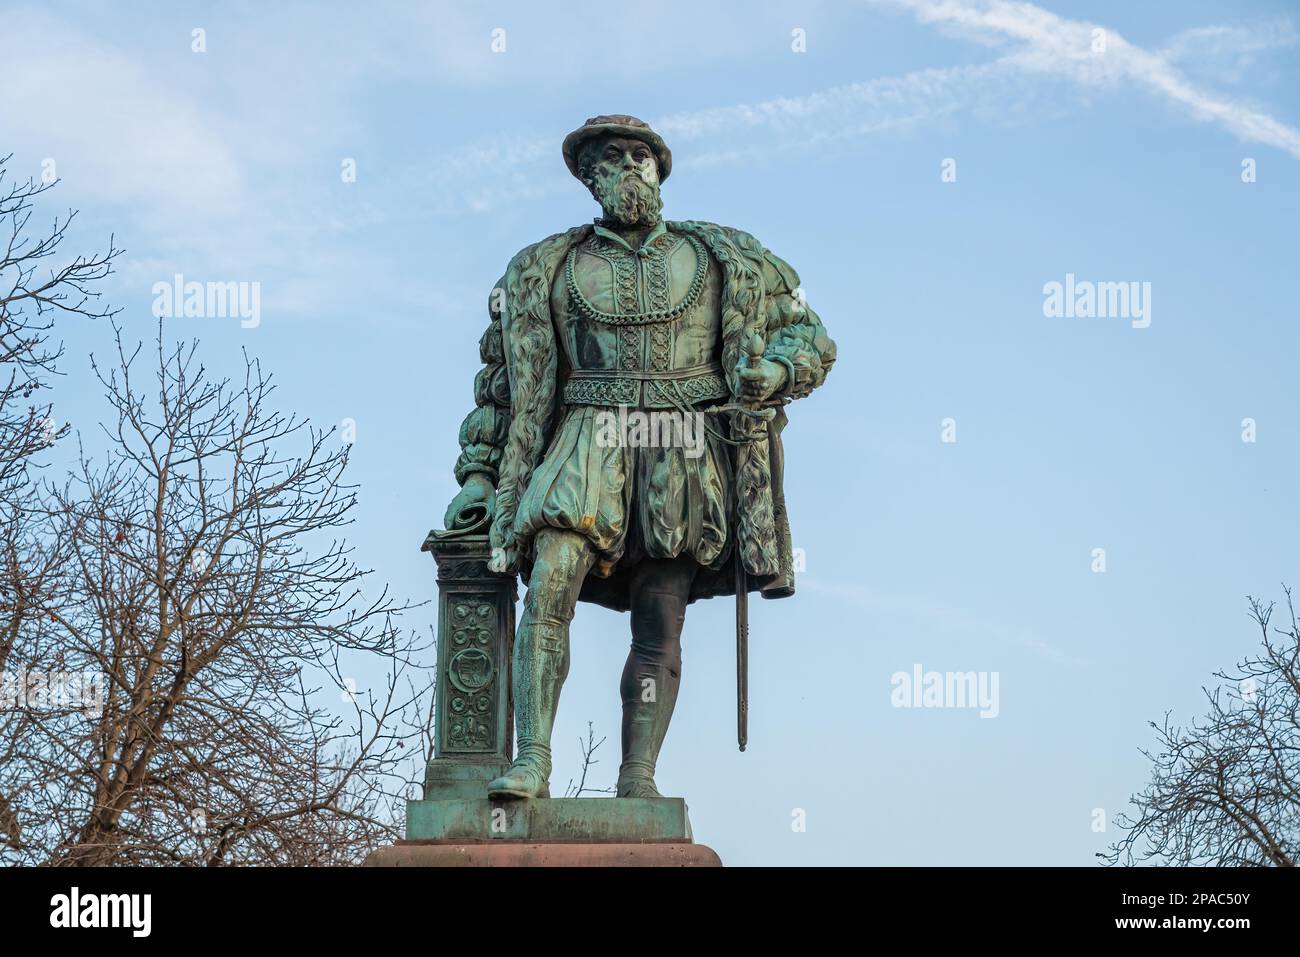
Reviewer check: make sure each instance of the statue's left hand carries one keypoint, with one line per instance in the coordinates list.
(477, 491)
(761, 380)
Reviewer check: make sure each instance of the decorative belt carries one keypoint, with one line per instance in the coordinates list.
(646, 390)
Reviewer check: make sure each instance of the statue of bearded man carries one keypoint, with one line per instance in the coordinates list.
(691, 327)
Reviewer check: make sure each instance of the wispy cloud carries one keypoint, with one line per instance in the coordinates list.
(842, 112)
(1039, 43)
(1230, 41)
(1051, 44)
(228, 162)
(481, 176)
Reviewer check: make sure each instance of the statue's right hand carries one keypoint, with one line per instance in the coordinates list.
(477, 491)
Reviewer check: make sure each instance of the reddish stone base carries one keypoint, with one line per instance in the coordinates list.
(519, 854)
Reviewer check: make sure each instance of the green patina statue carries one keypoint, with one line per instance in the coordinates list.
(626, 439)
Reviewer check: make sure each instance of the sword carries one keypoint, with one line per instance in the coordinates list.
(742, 653)
(754, 352)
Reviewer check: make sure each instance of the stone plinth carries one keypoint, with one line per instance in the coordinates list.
(524, 854)
(549, 832)
(569, 820)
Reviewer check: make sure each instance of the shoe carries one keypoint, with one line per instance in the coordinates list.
(528, 777)
(637, 786)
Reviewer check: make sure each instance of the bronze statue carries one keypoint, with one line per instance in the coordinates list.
(690, 322)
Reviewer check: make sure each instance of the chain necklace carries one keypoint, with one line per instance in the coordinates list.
(640, 318)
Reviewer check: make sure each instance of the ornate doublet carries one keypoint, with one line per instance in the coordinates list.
(639, 328)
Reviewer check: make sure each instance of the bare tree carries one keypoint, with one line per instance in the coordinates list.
(179, 623)
(38, 283)
(199, 630)
(1226, 791)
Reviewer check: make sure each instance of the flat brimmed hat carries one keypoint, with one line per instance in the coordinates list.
(618, 125)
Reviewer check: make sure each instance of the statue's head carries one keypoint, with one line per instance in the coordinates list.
(622, 161)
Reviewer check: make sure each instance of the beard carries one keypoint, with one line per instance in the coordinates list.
(628, 199)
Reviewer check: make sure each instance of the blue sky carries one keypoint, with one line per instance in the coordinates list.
(975, 555)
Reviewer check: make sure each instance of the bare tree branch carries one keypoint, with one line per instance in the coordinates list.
(589, 761)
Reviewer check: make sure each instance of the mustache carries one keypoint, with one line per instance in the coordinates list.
(625, 180)
(629, 181)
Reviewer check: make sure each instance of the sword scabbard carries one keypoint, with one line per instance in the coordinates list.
(742, 653)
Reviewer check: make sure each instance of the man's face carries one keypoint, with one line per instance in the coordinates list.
(615, 154)
(623, 175)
